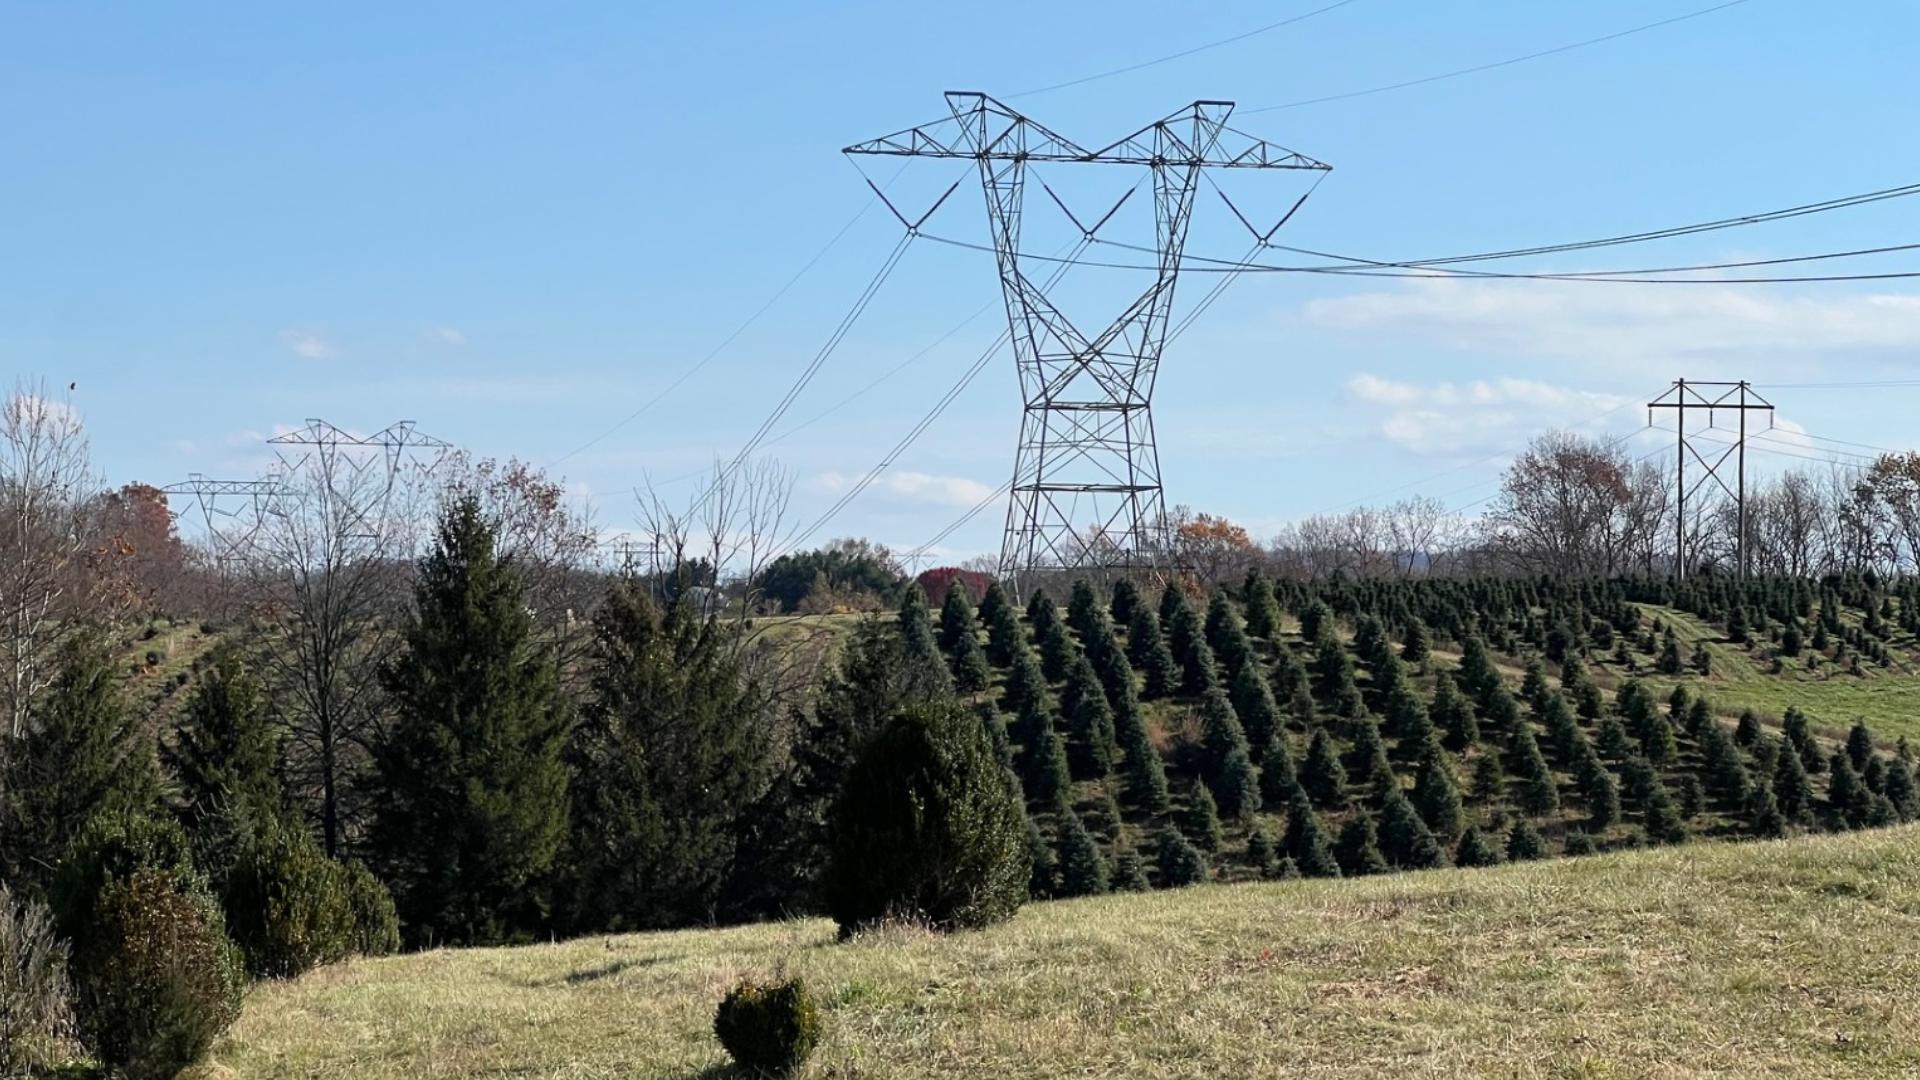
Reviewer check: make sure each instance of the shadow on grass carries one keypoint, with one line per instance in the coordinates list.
(583, 976)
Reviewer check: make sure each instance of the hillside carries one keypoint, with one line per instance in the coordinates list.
(1788, 958)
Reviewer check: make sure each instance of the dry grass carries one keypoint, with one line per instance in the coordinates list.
(1794, 958)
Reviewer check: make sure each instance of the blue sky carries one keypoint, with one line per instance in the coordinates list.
(515, 225)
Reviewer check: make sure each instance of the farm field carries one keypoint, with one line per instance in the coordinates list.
(1783, 958)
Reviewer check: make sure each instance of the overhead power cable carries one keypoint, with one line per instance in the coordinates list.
(1182, 54)
(1509, 62)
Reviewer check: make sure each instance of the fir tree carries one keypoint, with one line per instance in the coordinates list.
(1263, 612)
(1308, 846)
(1200, 819)
(960, 639)
(1126, 602)
(1370, 760)
(1692, 797)
(1083, 870)
(1747, 733)
(1415, 644)
(1763, 812)
(1669, 661)
(1253, 703)
(1664, 823)
(1083, 609)
(1900, 790)
(1436, 795)
(1578, 843)
(1026, 690)
(1290, 679)
(1238, 784)
(1613, 739)
(1477, 675)
(82, 755)
(1476, 850)
(1226, 636)
(224, 750)
(1405, 839)
(1262, 852)
(1181, 864)
(1358, 849)
(1278, 774)
(1848, 800)
(1799, 737)
(1058, 652)
(1129, 871)
(1006, 639)
(1043, 874)
(1322, 775)
(1725, 771)
(1407, 718)
(1533, 686)
(1859, 745)
(475, 811)
(1148, 650)
(1144, 777)
(1538, 794)
(1044, 772)
(1453, 714)
(1524, 843)
(1333, 674)
(1489, 780)
(926, 671)
(1092, 747)
(1220, 731)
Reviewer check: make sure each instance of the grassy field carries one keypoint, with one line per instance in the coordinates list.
(1888, 698)
(1790, 958)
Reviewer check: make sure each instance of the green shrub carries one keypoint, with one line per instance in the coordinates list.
(36, 1007)
(287, 905)
(376, 926)
(158, 978)
(769, 1028)
(1181, 863)
(928, 828)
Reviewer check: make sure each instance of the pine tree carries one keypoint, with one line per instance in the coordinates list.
(1598, 790)
(1006, 639)
(1144, 777)
(1262, 852)
(1226, 636)
(1405, 839)
(225, 752)
(1533, 686)
(1407, 718)
(83, 755)
(1725, 771)
(1333, 674)
(1026, 690)
(1692, 797)
(1044, 772)
(1489, 780)
(960, 640)
(927, 677)
(1669, 661)
(1238, 785)
(1900, 790)
(1043, 874)
(1578, 843)
(1200, 819)
(1307, 844)
(1613, 739)
(1058, 651)
(1436, 794)
(1278, 775)
(1747, 733)
(1476, 850)
(1181, 864)
(1358, 849)
(1084, 613)
(1477, 675)
(1848, 800)
(1524, 843)
(1763, 812)
(475, 807)
(1129, 871)
(1799, 736)
(1083, 870)
(1370, 760)
(1453, 713)
(1664, 823)
(1148, 650)
(1322, 774)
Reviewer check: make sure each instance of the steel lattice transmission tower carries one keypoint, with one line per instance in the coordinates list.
(1087, 429)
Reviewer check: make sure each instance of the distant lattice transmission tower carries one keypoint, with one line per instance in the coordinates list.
(1086, 486)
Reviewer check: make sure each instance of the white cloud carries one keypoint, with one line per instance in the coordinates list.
(448, 335)
(1646, 326)
(1455, 418)
(306, 344)
(955, 491)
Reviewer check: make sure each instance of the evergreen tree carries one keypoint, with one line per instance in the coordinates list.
(1084, 614)
(1578, 843)
(1370, 760)
(1415, 645)
(83, 755)
(1763, 812)
(1669, 661)
(960, 640)
(1436, 794)
(1725, 771)
(1083, 870)
(1058, 652)
(1126, 602)
(1278, 775)
(1539, 795)
(1476, 850)
(1092, 747)
(1489, 780)
(1226, 636)
(1044, 772)
(1307, 843)
(1900, 790)
(1043, 867)
(1407, 718)
(475, 807)
(1148, 650)
(1799, 736)
(1145, 778)
(1692, 798)
(1253, 704)
(1358, 849)
(1006, 639)
(1848, 800)
(1026, 684)
(1129, 871)
(1323, 776)
(1181, 864)
(1533, 686)
(1200, 819)
(1859, 745)
(1524, 843)
(1263, 612)
(1747, 733)
(1333, 674)
(1405, 839)
(926, 671)
(1238, 784)
(1613, 739)
(1599, 791)
(1262, 852)
(1664, 823)
(1453, 713)
(224, 749)
(1477, 674)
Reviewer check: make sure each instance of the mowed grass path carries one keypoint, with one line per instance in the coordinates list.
(1791, 958)
(1887, 698)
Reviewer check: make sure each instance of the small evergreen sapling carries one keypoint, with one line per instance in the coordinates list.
(1476, 850)
(1358, 849)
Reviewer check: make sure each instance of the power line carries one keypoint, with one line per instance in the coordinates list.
(1182, 54)
(1509, 62)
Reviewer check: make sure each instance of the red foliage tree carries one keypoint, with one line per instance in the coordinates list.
(937, 581)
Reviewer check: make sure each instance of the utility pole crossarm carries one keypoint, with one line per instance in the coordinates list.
(1692, 395)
